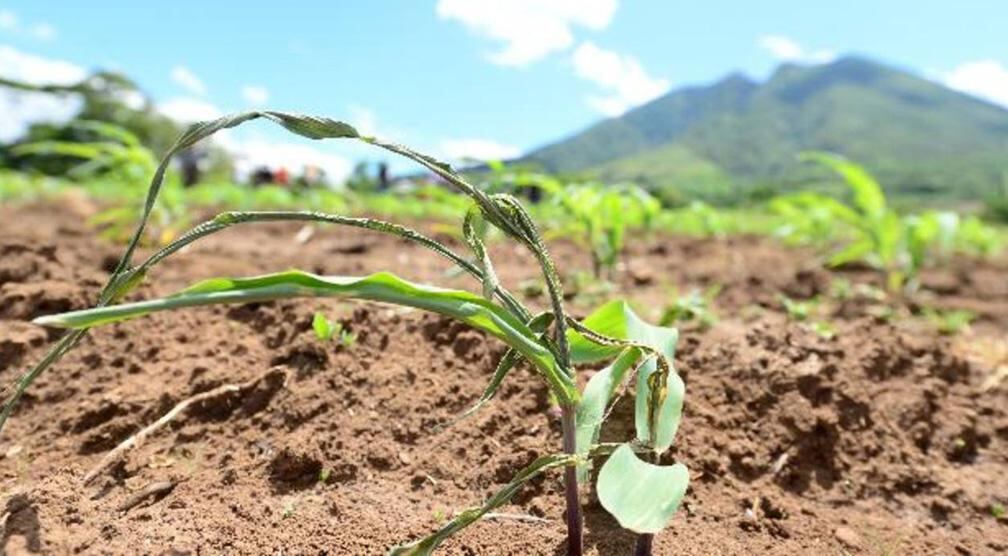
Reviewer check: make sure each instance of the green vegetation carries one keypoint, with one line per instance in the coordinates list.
(696, 307)
(872, 232)
(950, 322)
(326, 330)
(724, 142)
(639, 493)
(601, 215)
(805, 312)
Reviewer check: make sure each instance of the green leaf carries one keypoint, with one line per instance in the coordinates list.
(868, 195)
(617, 319)
(856, 251)
(668, 414)
(595, 398)
(504, 366)
(383, 287)
(641, 496)
(426, 545)
(323, 327)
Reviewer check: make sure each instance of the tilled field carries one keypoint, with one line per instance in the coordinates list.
(885, 439)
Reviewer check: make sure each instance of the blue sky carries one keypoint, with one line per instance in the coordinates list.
(475, 77)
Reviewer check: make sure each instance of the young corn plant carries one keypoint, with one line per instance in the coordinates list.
(695, 307)
(601, 216)
(899, 246)
(641, 494)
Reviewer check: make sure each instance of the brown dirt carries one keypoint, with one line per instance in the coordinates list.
(877, 441)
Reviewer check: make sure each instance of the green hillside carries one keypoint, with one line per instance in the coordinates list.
(727, 139)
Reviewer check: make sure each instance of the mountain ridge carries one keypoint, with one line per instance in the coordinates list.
(736, 135)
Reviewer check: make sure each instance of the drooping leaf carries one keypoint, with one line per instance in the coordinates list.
(504, 366)
(426, 545)
(643, 497)
(595, 399)
(617, 319)
(383, 287)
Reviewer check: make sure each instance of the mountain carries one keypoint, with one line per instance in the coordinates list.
(737, 137)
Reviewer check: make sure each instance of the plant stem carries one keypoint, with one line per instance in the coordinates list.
(574, 524)
(645, 541)
(643, 546)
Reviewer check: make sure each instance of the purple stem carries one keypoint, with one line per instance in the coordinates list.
(574, 525)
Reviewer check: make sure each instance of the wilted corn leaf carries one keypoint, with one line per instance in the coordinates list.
(641, 496)
(617, 319)
(382, 286)
(595, 398)
(426, 545)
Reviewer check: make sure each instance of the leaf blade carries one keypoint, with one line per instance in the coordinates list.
(643, 497)
(382, 287)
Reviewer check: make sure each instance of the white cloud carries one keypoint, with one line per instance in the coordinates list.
(19, 109)
(477, 149)
(787, 50)
(255, 95)
(43, 31)
(187, 110)
(8, 20)
(185, 78)
(528, 29)
(987, 79)
(364, 119)
(134, 100)
(626, 81)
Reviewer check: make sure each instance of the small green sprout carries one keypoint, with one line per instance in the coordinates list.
(798, 310)
(288, 509)
(326, 330)
(324, 474)
(692, 307)
(998, 510)
(804, 312)
(949, 322)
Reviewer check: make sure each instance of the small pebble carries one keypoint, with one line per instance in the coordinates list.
(847, 536)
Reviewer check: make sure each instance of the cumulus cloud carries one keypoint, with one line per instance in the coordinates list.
(19, 109)
(255, 95)
(185, 78)
(787, 50)
(43, 31)
(477, 149)
(10, 22)
(528, 29)
(623, 78)
(987, 79)
(363, 119)
(186, 110)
